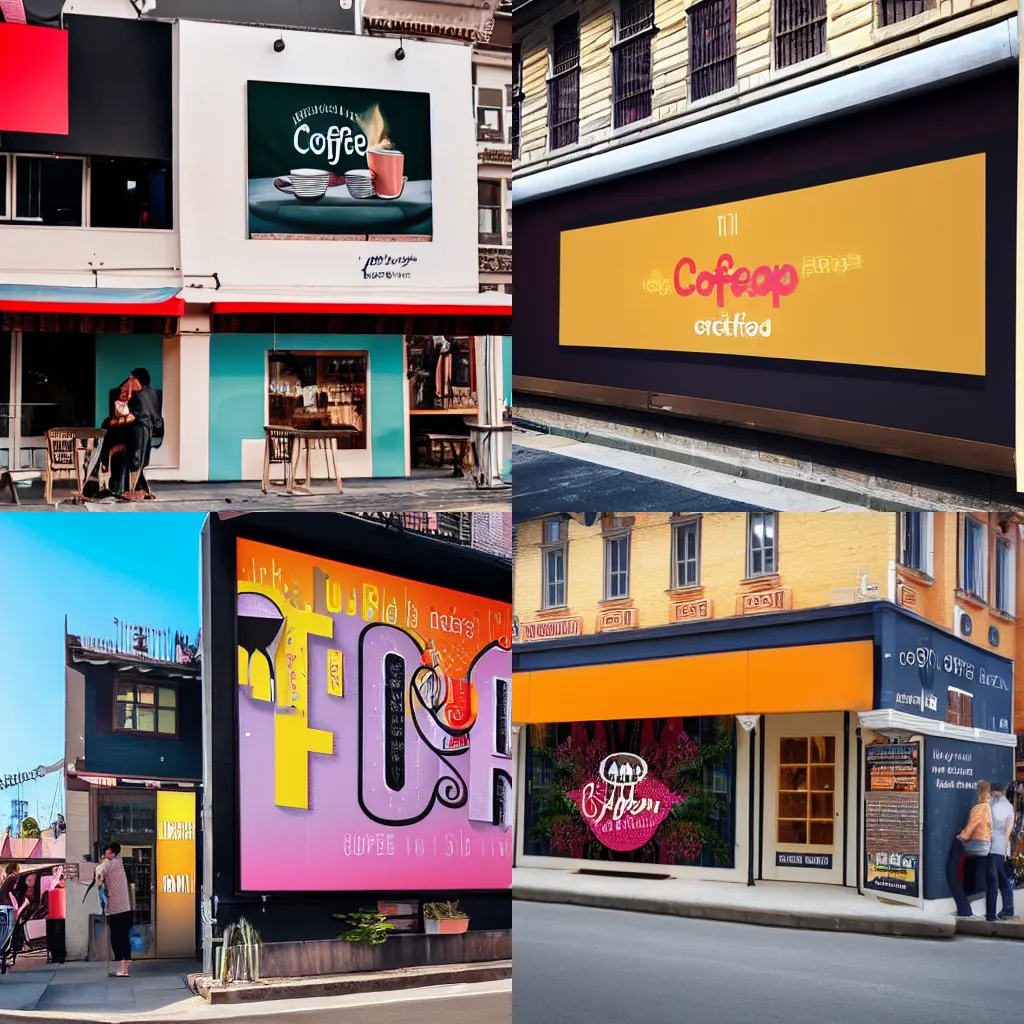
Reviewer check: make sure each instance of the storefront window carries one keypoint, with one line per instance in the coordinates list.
(441, 373)
(126, 815)
(320, 391)
(686, 767)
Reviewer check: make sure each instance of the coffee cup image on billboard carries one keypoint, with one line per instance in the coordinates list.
(332, 161)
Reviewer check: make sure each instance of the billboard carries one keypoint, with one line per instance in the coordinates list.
(176, 870)
(374, 730)
(882, 270)
(339, 164)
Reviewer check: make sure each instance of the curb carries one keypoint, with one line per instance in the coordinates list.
(924, 929)
(990, 929)
(357, 984)
(739, 470)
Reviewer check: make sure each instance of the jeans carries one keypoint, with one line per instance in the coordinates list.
(992, 884)
(1005, 883)
(956, 887)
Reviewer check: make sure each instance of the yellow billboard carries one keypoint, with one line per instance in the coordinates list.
(176, 873)
(884, 270)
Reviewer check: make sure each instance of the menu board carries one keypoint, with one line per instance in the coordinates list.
(892, 818)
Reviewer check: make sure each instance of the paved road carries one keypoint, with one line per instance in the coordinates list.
(577, 965)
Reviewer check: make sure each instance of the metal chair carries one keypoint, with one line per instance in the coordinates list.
(61, 457)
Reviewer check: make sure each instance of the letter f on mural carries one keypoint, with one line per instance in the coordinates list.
(275, 665)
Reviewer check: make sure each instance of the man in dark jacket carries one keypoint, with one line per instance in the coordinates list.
(143, 423)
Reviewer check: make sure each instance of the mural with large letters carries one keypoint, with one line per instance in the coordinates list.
(374, 729)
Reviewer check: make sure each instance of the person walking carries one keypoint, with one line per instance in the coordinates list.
(1002, 831)
(111, 875)
(974, 841)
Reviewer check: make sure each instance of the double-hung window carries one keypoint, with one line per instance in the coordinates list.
(974, 565)
(916, 544)
(686, 554)
(762, 548)
(554, 556)
(1006, 577)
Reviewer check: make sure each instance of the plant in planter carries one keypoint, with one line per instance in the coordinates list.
(366, 926)
(444, 919)
(240, 958)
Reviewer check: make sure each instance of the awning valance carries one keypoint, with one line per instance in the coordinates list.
(18, 298)
(264, 304)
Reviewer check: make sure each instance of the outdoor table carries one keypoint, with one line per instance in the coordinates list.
(462, 440)
(284, 445)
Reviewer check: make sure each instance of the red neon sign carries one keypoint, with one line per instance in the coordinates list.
(775, 281)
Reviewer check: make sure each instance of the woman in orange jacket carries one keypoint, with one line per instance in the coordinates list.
(976, 837)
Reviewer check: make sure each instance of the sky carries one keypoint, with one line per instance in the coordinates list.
(93, 569)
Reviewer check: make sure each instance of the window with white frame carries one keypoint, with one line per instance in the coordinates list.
(916, 541)
(762, 549)
(686, 554)
(1006, 577)
(616, 566)
(554, 559)
(974, 561)
(490, 115)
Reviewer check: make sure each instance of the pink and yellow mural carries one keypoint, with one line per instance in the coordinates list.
(374, 730)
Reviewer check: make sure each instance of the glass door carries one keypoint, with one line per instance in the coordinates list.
(54, 379)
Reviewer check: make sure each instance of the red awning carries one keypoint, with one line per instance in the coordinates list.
(33, 79)
(91, 301)
(368, 309)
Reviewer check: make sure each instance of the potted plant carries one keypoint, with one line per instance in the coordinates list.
(444, 919)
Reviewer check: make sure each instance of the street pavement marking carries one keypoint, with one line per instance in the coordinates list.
(752, 492)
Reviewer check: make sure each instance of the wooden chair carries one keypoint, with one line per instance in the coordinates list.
(61, 457)
(279, 450)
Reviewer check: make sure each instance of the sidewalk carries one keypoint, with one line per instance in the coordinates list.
(160, 991)
(772, 904)
(436, 490)
(848, 475)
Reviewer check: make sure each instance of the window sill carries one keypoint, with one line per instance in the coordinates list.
(917, 575)
(613, 603)
(686, 593)
(552, 612)
(761, 582)
(971, 600)
(998, 613)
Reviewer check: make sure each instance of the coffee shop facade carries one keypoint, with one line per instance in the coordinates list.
(836, 745)
(781, 265)
(159, 225)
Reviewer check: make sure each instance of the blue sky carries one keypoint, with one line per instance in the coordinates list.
(92, 568)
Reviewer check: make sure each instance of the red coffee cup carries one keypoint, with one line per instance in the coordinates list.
(387, 166)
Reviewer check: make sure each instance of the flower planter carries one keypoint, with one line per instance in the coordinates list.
(453, 927)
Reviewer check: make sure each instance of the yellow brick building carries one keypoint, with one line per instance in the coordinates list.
(801, 651)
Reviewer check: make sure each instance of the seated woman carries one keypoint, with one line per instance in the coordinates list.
(136, 413)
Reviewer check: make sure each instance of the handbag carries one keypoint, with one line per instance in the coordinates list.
(977, 847)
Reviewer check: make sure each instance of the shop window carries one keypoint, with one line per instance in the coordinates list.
(1006, 577)
(125, 813)
(891, 12)
(959, 707)
(762, 557)
(712, 32)
(916, 540)
(555, 557)
(490, 115)
(129, 193)
(48, 190)
(686, 554)
(631, 62)
(489, 205)
(517, 97)
(320, 391)
(974, 564)
(799, 30)
(616, 566)
(564, 85)
(146, 707)
(442, 374)
(692, 757)
(58, 382)
(806, 793)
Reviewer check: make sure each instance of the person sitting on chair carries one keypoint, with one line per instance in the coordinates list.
(136, 415)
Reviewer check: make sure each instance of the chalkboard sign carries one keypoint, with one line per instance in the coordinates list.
(950, 776)
(394, 721)
(892, 819)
